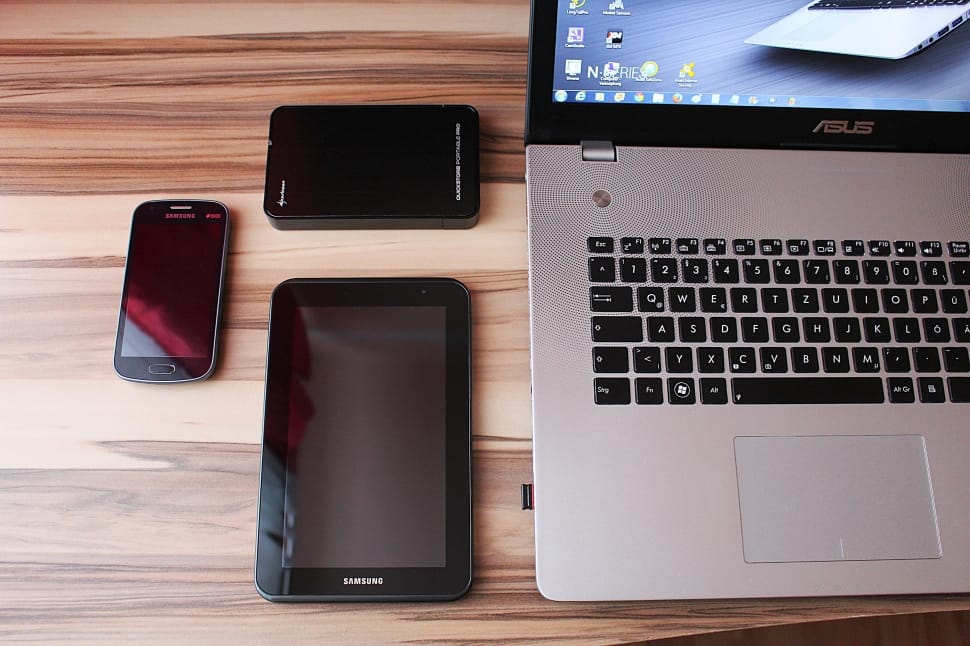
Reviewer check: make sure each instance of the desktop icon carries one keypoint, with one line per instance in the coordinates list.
(649, 69)
(576, 4)
(614, 39)
(574, 67)
(687, 71)
(574, 35)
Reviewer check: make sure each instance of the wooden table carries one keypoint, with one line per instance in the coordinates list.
(127, 511)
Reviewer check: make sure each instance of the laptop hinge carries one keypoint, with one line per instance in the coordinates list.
(601, 151)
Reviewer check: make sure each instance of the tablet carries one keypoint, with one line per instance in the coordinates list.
(365, 477)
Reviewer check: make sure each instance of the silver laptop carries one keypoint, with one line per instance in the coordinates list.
(879, 28)
(749, 309)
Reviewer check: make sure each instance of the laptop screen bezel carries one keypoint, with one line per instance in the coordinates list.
(549, 122)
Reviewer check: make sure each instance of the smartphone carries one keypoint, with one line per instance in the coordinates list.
(365, 479)
(172, 293)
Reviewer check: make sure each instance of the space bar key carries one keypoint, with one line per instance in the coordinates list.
(807, 390)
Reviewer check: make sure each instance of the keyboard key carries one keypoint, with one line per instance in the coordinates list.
(754, 329)
(646, 359)
(930, 390)
(713, 300)
(835, 359)
(715, 246)
(610, 360)
(931, 248)
(807, 390)
(599, 245)
(959, 249)
(816, 329)
(954, 301)
(651, 299)
(660, 329)
(682, 299)
(959, 389)
(617, 329)
(804, 300)
(744, 300)
(611, 390)
(804, 359)
(901, 390)
(824, 247)
(755, 270)
(660, 246)
(880, 248)
(714, 390)
(631, 245)
(866, 359)
(924, 301)
(742, 360)
(797, 247)
(960, 272)
(710, 360)
(934, 272)
(865, 301)
(905, 272)
(905, 248)
(853, 247)
(724, 330)
(876, 272)
(876, 329)
(602, 269)
(895, 301)
(926, 359)
(961, 330)
(649, 391)
(679, 359)
(770, 247)
(773, 360)
(774, 300)
(906, 330)
(895, 359)
(847, 329)
(786, 272)
(744, 246)
(681, 390)
(695, 270)
(846, 271)
(785, 329)
(956, 359)
(663, 270)
(693, 329)
(816, 272)
(633, 270)
(725, 270)
(689, 246)
(937, 330)
(610, 299)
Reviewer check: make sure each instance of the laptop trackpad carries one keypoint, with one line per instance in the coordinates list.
(835, 498)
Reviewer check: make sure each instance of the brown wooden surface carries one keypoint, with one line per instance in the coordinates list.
(127, 512)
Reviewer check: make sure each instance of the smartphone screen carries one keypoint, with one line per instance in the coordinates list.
(170, 303)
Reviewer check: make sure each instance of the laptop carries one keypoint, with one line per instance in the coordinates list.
(880, 28)
(748, 283)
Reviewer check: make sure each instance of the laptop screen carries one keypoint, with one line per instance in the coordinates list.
(751, 73)
(766, 54)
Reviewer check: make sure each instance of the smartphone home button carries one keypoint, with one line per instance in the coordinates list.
(161, 369)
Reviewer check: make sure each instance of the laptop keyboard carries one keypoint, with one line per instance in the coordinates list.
(717, 322)
(883, 4)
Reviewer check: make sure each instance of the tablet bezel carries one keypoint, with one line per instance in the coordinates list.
(277, 583)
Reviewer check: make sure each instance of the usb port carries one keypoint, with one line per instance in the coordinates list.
(943, 32)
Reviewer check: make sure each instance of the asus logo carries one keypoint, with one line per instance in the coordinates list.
(837, 127)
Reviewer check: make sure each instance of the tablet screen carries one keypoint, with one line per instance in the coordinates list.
(365, 477)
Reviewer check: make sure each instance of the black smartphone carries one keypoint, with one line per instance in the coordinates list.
(365, 479)
(372, 166)
(172, 294)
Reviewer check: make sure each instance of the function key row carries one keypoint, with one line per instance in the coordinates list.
(777, 247)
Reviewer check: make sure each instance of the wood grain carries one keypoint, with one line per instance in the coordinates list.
(128, 510)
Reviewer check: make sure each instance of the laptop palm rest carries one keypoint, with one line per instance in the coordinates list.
(835, 498)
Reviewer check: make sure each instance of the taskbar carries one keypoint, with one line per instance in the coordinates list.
(761, 100)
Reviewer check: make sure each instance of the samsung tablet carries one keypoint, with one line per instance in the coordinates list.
(365, 479)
